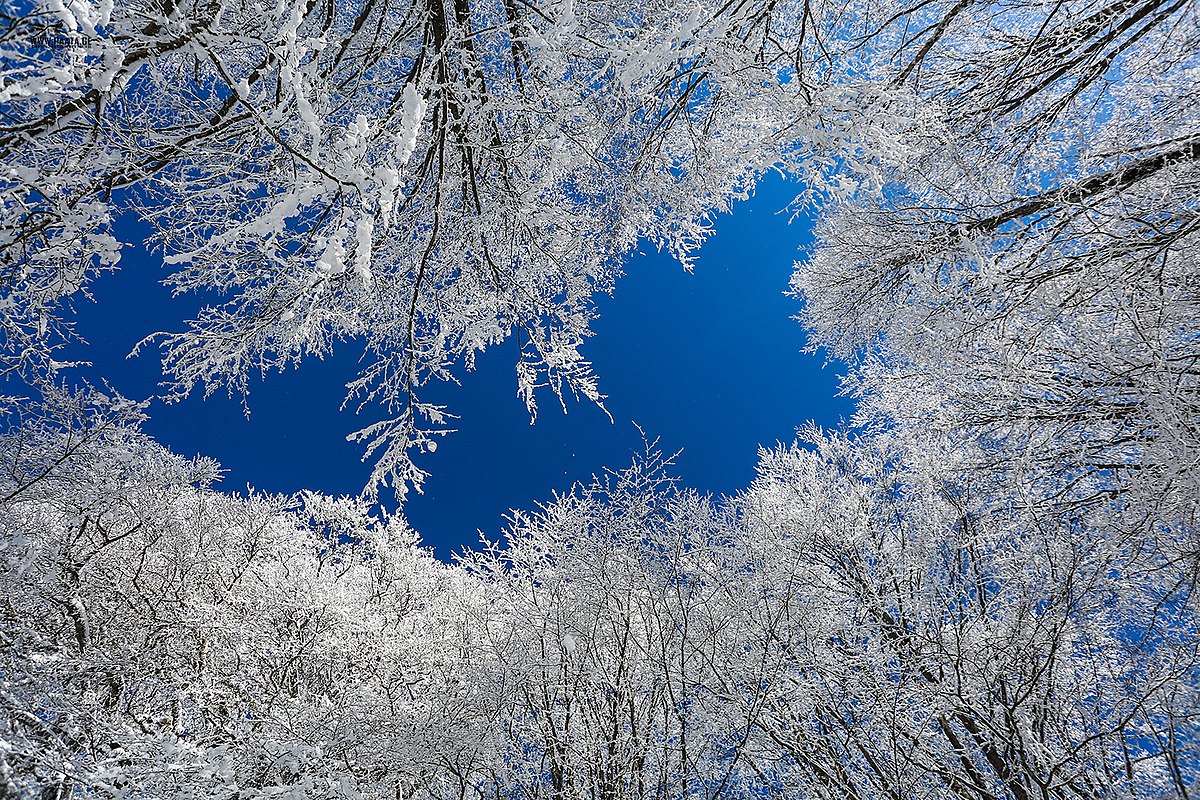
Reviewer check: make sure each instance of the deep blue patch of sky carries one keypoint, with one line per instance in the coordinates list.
(709, 362)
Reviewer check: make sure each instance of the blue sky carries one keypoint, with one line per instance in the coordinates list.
(709, 362)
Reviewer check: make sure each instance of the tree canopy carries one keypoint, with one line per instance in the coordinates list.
(985, 589)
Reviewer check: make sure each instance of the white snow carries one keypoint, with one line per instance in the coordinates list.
(412, 113)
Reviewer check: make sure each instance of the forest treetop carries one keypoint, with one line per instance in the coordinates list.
(987, 591)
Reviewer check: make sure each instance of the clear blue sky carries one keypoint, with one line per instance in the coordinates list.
(709, 362)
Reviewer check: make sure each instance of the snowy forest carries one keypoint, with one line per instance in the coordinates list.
(984, 586)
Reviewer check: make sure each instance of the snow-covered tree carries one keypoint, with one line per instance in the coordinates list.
(866, 620)
(937, 648)
(1021, 273)
(621, 666)
(420, 179)
(161, 639)
(1013, 544)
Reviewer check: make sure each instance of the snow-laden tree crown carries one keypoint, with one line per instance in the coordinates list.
(985, 589)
